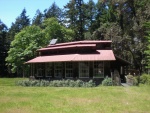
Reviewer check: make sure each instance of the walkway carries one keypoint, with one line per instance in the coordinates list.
(125, 84)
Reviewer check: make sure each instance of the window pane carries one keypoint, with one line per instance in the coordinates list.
(69, 69)
(40, 69)
(98, 70)
(58, 70)
(84, 69)
(49, 68)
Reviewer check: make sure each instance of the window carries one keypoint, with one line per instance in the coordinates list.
(83, 69)
(69, 70)
(40, 69)
(58, 70)
(98, 70)
(49, 69)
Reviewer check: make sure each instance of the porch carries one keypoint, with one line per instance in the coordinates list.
(92, 70)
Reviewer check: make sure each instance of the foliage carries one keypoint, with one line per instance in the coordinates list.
(54, 11)
(135, 81)
(122, 22)
(75, 16)
(125, 22)
(56, 83)
(53, 29)
(107, 82)
(145, 79)
(24, 47)
(21, 22)
(3, 48)
(38, 18)
(31, 38)
(147, 51)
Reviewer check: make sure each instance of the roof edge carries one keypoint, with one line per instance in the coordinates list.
(82, 42)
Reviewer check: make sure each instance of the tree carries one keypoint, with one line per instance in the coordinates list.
(31, 38)
(3, 49)
(38, 18)
(53, 29)
(75, 18)
(24, 47)
(90, 15)
(54, 11)
(21, 22)
(147, 50)
(123, 24)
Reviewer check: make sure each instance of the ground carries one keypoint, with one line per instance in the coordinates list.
(17, 99)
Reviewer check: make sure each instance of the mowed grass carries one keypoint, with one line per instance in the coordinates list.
(17, 99)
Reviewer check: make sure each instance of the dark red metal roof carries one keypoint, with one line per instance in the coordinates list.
(100, 55)
(67, 46)
(81, 42)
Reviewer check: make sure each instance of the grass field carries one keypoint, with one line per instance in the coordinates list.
(17, 99)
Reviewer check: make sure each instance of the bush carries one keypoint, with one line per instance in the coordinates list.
(135, 81)
(130, 77)
(145, 79)
(107, 82)
(56, 83)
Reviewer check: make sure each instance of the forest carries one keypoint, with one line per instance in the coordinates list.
(125, 22)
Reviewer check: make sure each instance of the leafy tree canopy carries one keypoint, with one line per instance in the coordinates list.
(24, 46)
(28, 40)
(53, 29)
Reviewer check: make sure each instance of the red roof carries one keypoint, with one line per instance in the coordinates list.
(101, 55)
(81, 42)
(68, 46)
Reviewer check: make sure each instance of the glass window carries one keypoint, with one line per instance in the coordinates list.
(83, 69)
(40, 69)
(98, 70)
(58, 70)
(69, 69)
(49, 69)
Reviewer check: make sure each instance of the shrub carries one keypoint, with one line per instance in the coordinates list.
(145, 79)
(56, 83)
(107, 82)
(130, 76)
(135, 81)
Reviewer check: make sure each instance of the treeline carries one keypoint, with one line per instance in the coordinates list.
(125, 22)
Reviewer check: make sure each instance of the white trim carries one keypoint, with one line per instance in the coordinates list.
(61, 69)
(70, 69)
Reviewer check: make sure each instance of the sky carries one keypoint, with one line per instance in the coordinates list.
(11, 9)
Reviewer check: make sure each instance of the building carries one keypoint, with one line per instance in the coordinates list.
(83, 60)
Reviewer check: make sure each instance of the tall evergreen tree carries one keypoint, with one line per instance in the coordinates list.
(147, 50)
(38, 18)
(90, 14)
(3, 49)
(123, 24)
(54, 11)
(75, 18)
(21, 22)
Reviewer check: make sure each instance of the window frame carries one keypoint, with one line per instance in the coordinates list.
(87, 69)
(48, 68)
(97, 68)
(40, 69)
(56, 69)
(69, 69)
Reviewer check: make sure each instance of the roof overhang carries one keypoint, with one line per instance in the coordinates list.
(122, 61)
(99, 55)
(68, 47)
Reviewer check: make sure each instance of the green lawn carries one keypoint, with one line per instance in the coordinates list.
(17, 99)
